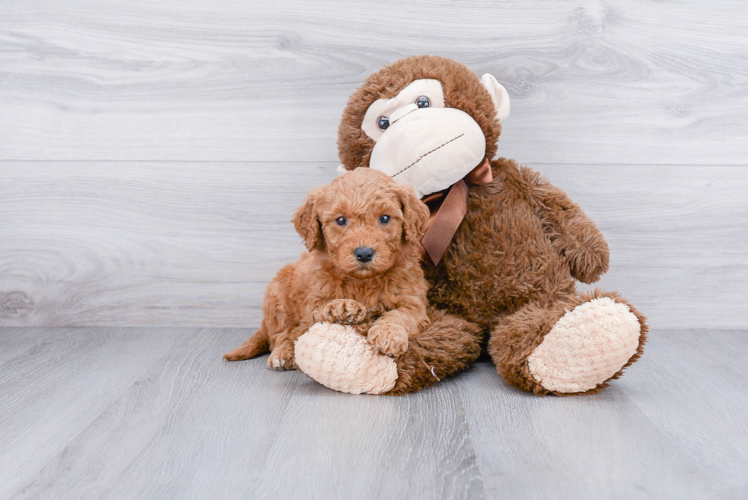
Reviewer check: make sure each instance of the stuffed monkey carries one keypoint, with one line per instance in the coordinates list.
(503, 250)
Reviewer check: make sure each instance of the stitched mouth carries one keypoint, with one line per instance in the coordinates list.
(424, 155)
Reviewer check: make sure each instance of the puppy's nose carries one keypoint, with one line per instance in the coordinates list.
(364, 254)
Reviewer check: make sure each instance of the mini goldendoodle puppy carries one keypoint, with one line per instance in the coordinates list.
(362, 268)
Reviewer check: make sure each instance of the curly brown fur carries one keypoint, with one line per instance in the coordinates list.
(511, 266)
(330, 284)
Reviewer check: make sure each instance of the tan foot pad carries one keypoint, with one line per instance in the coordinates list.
(341, 359)
(586, 347)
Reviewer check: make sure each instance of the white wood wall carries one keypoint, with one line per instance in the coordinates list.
(151, 153)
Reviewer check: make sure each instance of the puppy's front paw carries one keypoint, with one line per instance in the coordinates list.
(346, 311)
(389, 339)
(282, 357)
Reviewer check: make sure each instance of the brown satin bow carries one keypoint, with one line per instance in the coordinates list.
(448, 208)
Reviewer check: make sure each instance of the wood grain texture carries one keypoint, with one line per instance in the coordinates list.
(193, 426)
(678, 238)
(195, 244)
(412, 447)
(689, 361)
(226, 112)
(142, 243)
(227, 80)
(58, 367)
(152, 413)
(673, 414)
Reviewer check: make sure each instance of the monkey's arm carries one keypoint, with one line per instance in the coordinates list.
(574, 236)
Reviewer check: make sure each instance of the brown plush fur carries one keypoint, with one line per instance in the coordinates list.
(328, 283)
(512, 264)
(447, 346)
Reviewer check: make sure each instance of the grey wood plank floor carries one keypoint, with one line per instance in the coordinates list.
(155, 413)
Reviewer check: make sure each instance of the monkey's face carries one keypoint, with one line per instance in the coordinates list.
(433, 131)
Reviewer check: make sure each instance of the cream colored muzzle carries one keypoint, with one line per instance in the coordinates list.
(429, 148)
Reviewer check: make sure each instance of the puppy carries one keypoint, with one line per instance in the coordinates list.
(362, 268)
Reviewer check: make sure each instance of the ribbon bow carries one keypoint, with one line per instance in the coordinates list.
(448, 208)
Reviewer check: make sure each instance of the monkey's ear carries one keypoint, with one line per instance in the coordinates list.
(499, 96)
(307, 224)
(415, 214)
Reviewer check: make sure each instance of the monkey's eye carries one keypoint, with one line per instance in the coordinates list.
(423, 102)
(383, 122)
(341, 221)
(384, 219)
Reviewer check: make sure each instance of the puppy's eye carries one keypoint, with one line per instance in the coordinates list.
(384, 219)
(423, 102)
(341, 221)
(383, 123)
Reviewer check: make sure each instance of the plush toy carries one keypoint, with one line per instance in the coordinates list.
(502, 251)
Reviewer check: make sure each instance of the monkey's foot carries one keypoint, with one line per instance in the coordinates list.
(589, 345)
(341, 359)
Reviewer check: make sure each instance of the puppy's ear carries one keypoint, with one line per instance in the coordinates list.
(307, 224)
(415, 214)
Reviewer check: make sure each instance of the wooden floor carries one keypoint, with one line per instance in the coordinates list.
(156, 413)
